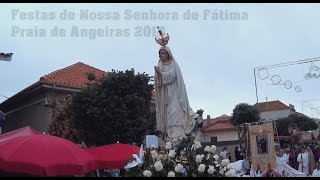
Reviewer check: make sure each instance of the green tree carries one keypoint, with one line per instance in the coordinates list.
(283, 125)
(117, 108)
(243, 113)
(302, 122)
(61, 120)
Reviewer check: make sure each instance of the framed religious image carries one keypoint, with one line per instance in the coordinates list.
(261, 146)
(262, 143)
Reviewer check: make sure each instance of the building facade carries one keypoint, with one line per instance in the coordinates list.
(32, 106)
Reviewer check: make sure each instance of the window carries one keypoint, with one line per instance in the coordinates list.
(214, 139)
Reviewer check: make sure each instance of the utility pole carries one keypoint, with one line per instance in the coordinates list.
(255, 83)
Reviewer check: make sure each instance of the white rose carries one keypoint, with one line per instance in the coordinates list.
(171, 174)
(213, 149)
(225, 162)
(178, 168)
(147, 173)
(154, 154)
(198, 158)
(201, 168)
(160, 156)
(211, 169)
(172, 153)
(216, 157)
(168, 145)
(158, 166)
(207, 149)
(231, 173)
(197, 144)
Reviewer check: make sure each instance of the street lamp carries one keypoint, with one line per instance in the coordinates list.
(6, 56)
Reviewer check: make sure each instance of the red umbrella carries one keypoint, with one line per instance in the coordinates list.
(113, 156)
(25, 131)
(44, 155)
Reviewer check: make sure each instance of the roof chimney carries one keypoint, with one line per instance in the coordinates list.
(208, 116)
(292, 107)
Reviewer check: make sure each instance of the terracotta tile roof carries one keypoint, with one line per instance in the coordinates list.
(74, 75)
(220, 123)
(271, 106)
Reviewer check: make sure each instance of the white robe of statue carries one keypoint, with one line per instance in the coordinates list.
(303, 160)
(173, 113)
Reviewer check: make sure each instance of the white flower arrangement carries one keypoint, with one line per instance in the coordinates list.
(231, 173)
(207, 149)
(158, 166)
(147, 173)
(225, 162)
(198, 158)
(172, 153)
(213, 149)
(154, 154)
(171, 174)
(211, 169)
(196, 145)
(216, 157)
(178, 168)
(168, 145)
(192, 160)
(201, 168)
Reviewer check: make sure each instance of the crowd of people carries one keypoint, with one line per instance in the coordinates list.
(303, 157)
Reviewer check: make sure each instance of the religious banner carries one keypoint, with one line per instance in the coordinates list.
(262, 147)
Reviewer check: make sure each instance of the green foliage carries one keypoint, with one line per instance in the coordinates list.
(91, 76)
(117, 108)
(283, 126)
(244, 113)
(61, 120)
(302, 122)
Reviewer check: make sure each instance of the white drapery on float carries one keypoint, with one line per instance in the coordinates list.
(261, 148)
(280, 168)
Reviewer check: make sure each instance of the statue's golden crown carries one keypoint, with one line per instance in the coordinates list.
(162, 38)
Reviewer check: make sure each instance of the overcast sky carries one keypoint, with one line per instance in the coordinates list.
(216, 51)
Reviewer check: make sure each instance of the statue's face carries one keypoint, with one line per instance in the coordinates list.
(163, 55)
